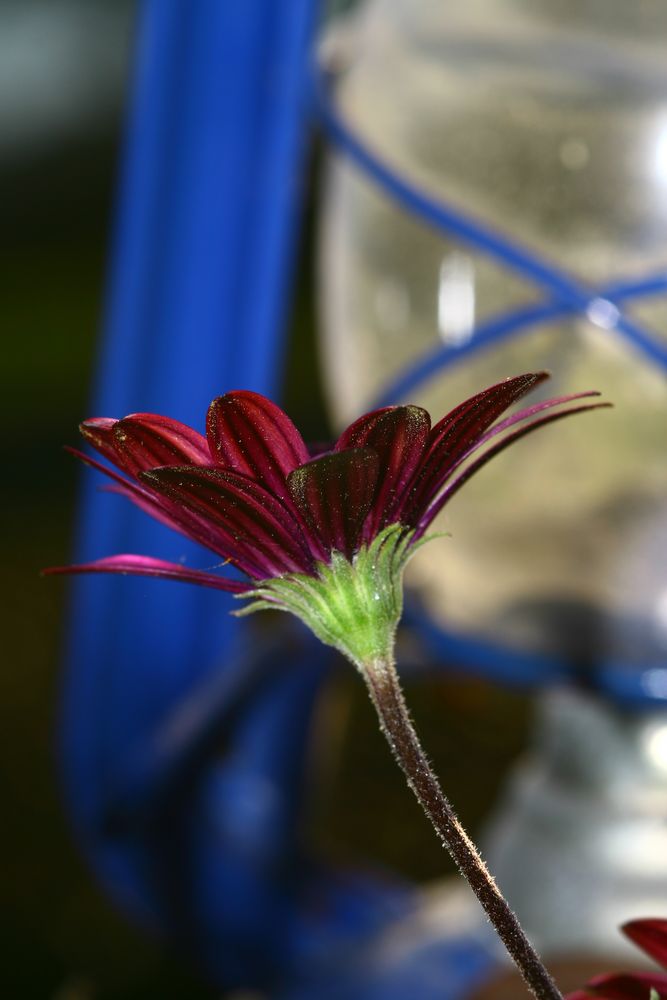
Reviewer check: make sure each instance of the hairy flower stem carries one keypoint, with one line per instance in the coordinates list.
(386, 694)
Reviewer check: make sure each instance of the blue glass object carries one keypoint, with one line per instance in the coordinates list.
(199, 840)
(184, 736)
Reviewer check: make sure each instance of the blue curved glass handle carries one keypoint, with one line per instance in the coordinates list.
(204, 241)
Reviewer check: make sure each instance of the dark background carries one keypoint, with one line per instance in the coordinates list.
(59, 936)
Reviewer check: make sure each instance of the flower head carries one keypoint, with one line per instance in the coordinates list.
(651, 936)
(325, 537)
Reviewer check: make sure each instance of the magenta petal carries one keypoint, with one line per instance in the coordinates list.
(356, 434)
(464, 424)
(185, 522)
(531, 411)
(504, 425)
(261, 536)
(146, 566)
(249, 434)
(458, 432)
(98, 431)
(629, 985)
(148, 441)
(159, 507)
(334, 494)
(470, 470)
(138, 494)
(398, 436)
(651, 936)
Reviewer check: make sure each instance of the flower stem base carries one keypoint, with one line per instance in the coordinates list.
(386, 694)
(353, 605)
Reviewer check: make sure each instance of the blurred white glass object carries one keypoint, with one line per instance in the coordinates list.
(548, 121)
(579, 842)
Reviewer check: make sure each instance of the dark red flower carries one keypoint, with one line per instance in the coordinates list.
(651, 936)
(251, 492)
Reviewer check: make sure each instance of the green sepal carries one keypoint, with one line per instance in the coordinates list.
(354, 605)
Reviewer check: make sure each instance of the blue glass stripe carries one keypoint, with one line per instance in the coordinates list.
(197, 296)
(640, 687)
(512, 323)
(450, 220)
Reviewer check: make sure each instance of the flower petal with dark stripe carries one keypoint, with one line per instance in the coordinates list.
(650, 934)
(251, 492)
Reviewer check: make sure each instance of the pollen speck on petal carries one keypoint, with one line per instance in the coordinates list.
(98, 431)
(148, 441)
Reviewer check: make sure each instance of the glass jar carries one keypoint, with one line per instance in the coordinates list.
(548, 121)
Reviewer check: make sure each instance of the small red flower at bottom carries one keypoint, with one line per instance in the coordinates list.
(251, 492)
(650, 935)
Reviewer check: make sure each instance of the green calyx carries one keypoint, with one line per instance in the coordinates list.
(354, 605)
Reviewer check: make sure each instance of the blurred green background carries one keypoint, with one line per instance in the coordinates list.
(65, 64)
